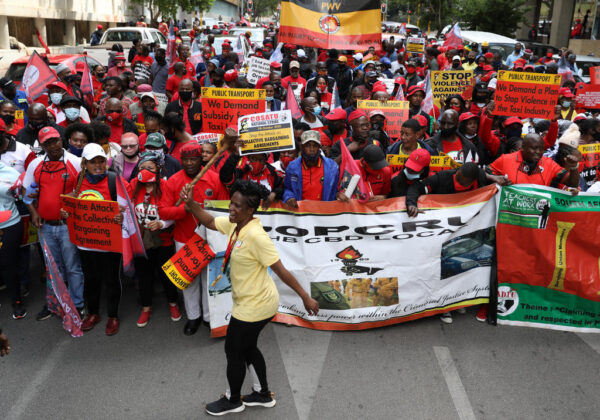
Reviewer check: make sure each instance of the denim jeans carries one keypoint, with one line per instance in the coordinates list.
(66, 256)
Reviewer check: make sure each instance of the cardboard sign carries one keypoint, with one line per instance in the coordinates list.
(588, 97)
(183, 267)
(449, 82)
(206, 137)
(396, 112)
(92, 223)
(267, 132)
(389, 84)
(30, 232)
(221, 107)
(161, 98)
(595, 75)
(257, 69)
(590, 162)
(526, 95)
(414, 44)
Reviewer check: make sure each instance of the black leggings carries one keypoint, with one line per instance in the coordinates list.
(101, 268)
(241, 350)
(148, 269)
(9, 256)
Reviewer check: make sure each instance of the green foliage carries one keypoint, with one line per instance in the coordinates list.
(498, 16)
(166, 8)
(264, 7)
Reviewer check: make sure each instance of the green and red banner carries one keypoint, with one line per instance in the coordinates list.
(548, 246)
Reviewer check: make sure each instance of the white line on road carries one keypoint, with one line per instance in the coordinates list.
(455, 385)
(19, 408)
(592, 340)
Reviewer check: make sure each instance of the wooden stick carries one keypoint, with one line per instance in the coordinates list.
(204, 170)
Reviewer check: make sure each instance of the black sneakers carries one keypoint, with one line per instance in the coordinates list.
(43, 314)
(223, 406)
(19, 311)
(263, 399)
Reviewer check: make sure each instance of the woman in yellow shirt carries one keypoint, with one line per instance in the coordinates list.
(250, 252)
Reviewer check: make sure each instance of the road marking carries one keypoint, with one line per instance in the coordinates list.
(591, 339)
(455, 385)
(31, 390)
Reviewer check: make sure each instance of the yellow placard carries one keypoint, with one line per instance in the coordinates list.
(224, 93)
(449, 82)
(141, 127)
(361, 104)
(396, 160)
(590, 148)
(415, 44)
(521, 77)
(175, 276)
(19, 114)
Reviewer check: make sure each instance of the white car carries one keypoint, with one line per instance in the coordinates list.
(124, 36)
(497, 43)
(257, 37)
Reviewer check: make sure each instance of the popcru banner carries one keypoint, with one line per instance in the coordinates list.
(341, 24)
(370, 265)
(548, 249)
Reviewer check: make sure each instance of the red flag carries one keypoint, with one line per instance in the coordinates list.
(454, 37)
(351, 176)
(133, 245)
(39, 37)
(171, 44)
(36, 76)
(87, 86)
(292, 104)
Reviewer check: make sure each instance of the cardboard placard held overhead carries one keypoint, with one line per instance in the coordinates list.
(396, 112)
(221, 107)
(449, 82)
(526, 95)
(267, 132)
(414, 44)
(257, 69)
(595, 75)
(588, 97)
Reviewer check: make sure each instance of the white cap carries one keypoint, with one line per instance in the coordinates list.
(92, 150)
(301, 53)
(571, 136)
(147, 95)
(358, 56)
(60, 68)
(456, 57)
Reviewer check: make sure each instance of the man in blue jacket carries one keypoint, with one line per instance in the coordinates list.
(312, 176)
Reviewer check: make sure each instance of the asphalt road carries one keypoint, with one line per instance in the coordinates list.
(420, 370)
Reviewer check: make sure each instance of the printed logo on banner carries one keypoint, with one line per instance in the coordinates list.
(329, 24)
(524, 209)
(350, 256)
(508, 300)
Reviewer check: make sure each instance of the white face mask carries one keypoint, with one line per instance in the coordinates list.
(72, 113)
(410, 176)
(470, 136)
(55, 98)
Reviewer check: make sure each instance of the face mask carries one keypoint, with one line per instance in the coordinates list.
(114, 117)
(218, 83)
(37, 126)
(471, 60)
(377, 126)
(72, 113)
(310, 158)
(411, 70)
(130, 154)
(316, 110)
(456, 108)
(159, 152)
(256, 167)
(146, 176)
(121, 64)
(55, 98)
(447, 132)
(95, 178)
(549, 55)
(566, 104)
(100, 76)
(480, 65)
(75, 150)
(185, 96)
(410, 176)
(71, 78)
(322, 89)
(459, 187)
(513, 132)
(286, 160)
(8, 119)
(470, 136)
(480, 104)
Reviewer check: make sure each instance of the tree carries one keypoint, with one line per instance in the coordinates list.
(264, 7)
(499, 16)
(164, 8)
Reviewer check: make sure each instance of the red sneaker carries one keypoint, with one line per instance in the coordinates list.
(89, 322)
(175, 314)
(143, 319)
(112, 326)
(482, 313)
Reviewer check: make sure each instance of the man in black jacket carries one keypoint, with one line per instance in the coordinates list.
(37, 118)
(450, 142)
(189, 109)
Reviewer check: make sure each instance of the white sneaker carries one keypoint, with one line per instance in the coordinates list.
(446, 318)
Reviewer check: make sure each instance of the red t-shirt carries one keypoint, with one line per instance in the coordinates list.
(547, 172)
(312, 181)
(380, 182)
(116, 132)
(173, 83)
(190, 69)
(151, 212)
(146, 60)
(259, 82)
(452, 146)
(54, 178)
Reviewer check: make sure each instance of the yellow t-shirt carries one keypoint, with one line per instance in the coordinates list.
(254, 294)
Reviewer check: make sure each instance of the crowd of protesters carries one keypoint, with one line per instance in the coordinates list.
(137, 136)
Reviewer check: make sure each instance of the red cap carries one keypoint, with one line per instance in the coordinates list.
(336, 114)
(191, 149)
(192, 34)
(2, 126)
(47, 133)
(215, 27)
(487, 67)
(578, 117)
(421, 119)
(120, 56)
(99, 27)
(518, 66)
(56, 84)
(275, 65)
(466, 116)
(512, 120)
(417, 160)
(400, 80)
(414, 89)
(442, 49)
(231, 75)
(528, 51)
(175, 28)
(379, 86)
(376, 112)
(357, 113)
(79, 67)
(488, 55)
(289, 46)
(566, 92)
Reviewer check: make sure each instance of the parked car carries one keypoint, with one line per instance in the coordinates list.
(124, 36)
(17, 67)
(257, 37)
(497, 43)
(584, 62)
(538, 48)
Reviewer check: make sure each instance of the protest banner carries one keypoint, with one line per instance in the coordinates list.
(206, 137)
(595, 75)
(588, 96)
(548, 259)
(183, 267)
(527, 95)
(439, 163)
(370, 265)
(450, 82)
(589, 166)
(396, 112)
(92, 224)
(266, 132)
(414, 44)
(161, 98)
(257, 69)
(222, 107)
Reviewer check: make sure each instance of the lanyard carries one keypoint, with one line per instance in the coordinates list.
(225, 269)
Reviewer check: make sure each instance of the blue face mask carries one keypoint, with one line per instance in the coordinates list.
(75, 150)
(72, 113)
(269, 98)
(410, 176)
(95, 178)
(316, 110)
